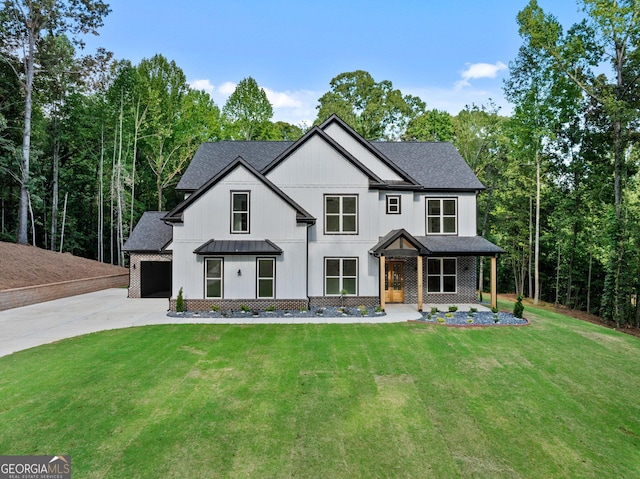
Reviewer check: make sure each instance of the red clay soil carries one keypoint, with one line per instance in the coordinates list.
(582, 315)
(22, 265)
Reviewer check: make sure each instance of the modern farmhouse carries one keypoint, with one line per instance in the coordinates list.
(325, 219)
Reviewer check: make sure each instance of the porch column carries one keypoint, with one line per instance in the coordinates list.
(494, 282)
(420, 283)
(382, 278)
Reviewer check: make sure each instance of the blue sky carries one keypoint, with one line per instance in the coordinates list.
(450, 53)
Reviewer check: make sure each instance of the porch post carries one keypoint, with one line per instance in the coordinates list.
(494, 282)
(420, 283)
(382, 278)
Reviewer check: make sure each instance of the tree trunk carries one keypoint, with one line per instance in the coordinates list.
(54, 193)
(64, 219)
(589, 280)
(530, 245)
(26, 142)
(557, 300)
(536, 297)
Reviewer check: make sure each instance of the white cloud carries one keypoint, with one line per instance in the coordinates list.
(227, 88)
(475, 71)
(202, 85)
(284, 99)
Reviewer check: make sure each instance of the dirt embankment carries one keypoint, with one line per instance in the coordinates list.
(22, 265)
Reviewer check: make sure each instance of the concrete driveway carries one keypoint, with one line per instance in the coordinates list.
(30, 326)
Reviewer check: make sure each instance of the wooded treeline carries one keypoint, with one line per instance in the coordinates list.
(108, 140)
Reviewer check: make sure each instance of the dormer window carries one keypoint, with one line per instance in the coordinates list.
(240, 212)
(442, 217)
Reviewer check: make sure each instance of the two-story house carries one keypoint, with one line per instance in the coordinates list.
(325, 219)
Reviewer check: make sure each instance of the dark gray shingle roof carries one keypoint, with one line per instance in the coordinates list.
(151, 234)
(211, 158)
(436, 166)
(232, 247)
(459, 245)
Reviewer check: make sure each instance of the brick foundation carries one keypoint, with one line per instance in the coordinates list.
(18, 297)
(355, 301)
(235, 304)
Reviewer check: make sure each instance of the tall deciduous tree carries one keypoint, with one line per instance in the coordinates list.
(248, 112)
(22, 23)
(374, 109)
(610, 34)
(433, 125)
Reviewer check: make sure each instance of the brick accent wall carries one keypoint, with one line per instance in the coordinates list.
(235, 304)
(354, 301)
(135, 284)
(17, 297)
(467, 292)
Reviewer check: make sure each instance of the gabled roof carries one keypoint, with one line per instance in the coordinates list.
(434, 165)
(238, 247)
(390, 240)
(211, 158)
(175, 215)
(423, 166)
(317, 132)
(151, 234)
(335, 119)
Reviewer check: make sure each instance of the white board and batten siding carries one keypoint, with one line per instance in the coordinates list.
(210, 218)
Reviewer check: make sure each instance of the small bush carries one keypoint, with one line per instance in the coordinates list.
(441, 320)
(494, 310)
(448, 315)
(270, 308)
(473, 310)
(453, 309)
(434, 310)
(215, 308)
(518, 308)
(244, 308)
(180, 302)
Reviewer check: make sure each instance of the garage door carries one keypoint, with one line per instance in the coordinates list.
(155, 279)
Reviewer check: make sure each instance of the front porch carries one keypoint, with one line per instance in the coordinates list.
(446, 278)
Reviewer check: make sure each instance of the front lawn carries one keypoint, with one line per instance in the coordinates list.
(559, 398)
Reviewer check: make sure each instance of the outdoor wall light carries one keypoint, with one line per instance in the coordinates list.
(239, 273)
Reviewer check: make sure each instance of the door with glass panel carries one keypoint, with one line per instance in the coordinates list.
(394, 282)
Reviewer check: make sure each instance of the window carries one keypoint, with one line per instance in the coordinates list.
(441, 216)
(340, 274)
(393, 204)
(266, 277)
(341, 214)
(213, 277)
(441, 275)
(239, 212)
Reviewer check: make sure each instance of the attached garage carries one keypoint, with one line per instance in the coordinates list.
(150, 261)
(155, 279)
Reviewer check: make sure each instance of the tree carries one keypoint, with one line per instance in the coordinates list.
(610, 33)
(22, 23)
(248, 112)
(375, 110)
(433, 125)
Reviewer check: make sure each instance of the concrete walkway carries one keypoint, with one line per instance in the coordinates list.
(30, 326)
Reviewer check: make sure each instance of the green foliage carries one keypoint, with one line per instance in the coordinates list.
(215, 308)
(180, 308)
(453, 309)
(248, 112)
(432, 125)
(434, 310)
(244, 308)
(374, 109)
(270, 308)
(518, 307)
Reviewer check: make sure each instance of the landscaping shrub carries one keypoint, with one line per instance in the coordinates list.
(518, 308)
(180, 302)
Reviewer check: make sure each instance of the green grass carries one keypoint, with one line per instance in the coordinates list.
(559, 398)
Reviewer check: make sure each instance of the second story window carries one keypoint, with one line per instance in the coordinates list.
(393, 204)
(239, 211)
(341, 214)
(442, 216)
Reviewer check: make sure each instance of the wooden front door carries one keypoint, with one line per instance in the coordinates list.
(394, 282)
